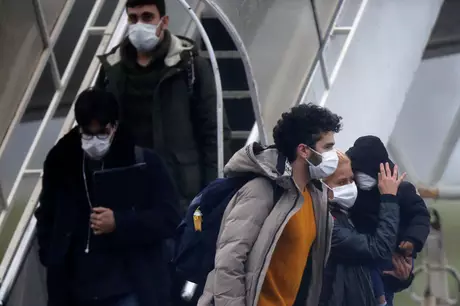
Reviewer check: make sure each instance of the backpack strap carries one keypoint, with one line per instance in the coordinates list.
(139, 155)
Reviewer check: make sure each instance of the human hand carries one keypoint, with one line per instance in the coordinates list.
(102, 221)
(402, 267)
(389, 182)
(407, 247)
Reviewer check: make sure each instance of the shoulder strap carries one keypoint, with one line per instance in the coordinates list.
(277, 192)
(139, 155)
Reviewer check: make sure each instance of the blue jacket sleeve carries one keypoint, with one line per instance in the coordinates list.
(158, 218)
(350, 247)
(414, 215)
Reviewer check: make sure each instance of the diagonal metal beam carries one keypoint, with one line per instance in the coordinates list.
(447, 147)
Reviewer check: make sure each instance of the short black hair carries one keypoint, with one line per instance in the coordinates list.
(160, 4)
(96, 105)
(303, 124)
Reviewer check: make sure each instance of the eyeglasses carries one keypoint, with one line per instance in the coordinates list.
(98, 136)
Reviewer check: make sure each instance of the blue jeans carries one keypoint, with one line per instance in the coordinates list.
(389, 297)
(378, 285)
(127, 300)
(130, 300)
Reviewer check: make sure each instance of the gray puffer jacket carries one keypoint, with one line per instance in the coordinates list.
(252, 226)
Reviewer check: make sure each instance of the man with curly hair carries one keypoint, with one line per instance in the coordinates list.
(272, 254)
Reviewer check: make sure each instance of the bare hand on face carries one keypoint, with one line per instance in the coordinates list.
(102, 221)
(402, 267)
(389, 182)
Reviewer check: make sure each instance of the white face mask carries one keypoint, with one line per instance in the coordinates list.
(345, 196)
(96, 148)
(143, 36)
(328, 165)
(364, 181)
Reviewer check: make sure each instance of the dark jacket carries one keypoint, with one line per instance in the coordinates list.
(184, 120)
(347, 278)
(366, 155)
(141, 227)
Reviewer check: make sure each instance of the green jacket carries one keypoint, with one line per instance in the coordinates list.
(184, 121)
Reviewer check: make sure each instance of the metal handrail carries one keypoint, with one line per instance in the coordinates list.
(24, 233)
(22, 239)
(319, 59)
(46, 54)
(247, 67)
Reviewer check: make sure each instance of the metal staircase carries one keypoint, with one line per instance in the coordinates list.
(236, 94)
(20, 271)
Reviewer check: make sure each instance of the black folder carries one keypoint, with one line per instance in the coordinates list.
(121, 189)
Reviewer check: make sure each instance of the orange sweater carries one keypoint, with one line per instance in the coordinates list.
(287, 265)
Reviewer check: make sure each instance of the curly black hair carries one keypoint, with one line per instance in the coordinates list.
(303, 124)
(160, 4)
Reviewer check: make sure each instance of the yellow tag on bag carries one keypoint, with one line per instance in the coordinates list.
(198, 220)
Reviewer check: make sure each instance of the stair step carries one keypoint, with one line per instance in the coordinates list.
(218, 35)
(222, 54)
(240, 114)
(240, 134)
(232, 73)
(236, 94)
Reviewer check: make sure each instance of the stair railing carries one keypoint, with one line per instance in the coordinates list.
(20, 243)
(256, 105)
(319, 61)
(112, 34)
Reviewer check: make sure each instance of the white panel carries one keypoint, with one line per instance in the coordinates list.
(427, 115)
(451, 175)
(378, 69)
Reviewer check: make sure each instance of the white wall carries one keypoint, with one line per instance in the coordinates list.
(379, 67)
(427, 115)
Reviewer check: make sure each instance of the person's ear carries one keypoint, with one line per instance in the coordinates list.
(303, 151)
(165, 22)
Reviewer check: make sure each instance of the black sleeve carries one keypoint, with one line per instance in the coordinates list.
(415, 213)
(158, 219)
(48, 201)
(205, 119)
(101, 81)
(349, 246)
(394, 284)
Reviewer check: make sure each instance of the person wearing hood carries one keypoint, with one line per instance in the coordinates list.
(272, 254)
(167, 96)
(101, 249)
(367, 153)
(354, 255)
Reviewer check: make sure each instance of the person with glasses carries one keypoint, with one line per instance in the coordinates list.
(167, 95)
(104, 246)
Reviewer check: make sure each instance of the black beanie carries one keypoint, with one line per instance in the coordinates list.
(366, 155)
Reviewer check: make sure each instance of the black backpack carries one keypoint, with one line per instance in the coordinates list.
(195, 250)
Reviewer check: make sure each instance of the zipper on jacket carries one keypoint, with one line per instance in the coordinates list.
(158, 142)
(327, 234)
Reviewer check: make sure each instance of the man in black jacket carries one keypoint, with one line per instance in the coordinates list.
(167, 96)
(99, 253)
(366, 155)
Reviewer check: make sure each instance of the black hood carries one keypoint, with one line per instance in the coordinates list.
(366, 155)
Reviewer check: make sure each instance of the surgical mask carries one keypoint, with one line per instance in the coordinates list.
(345, 196)
(96, 148)
(364, 181)
(327, 166)
(143, 36)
